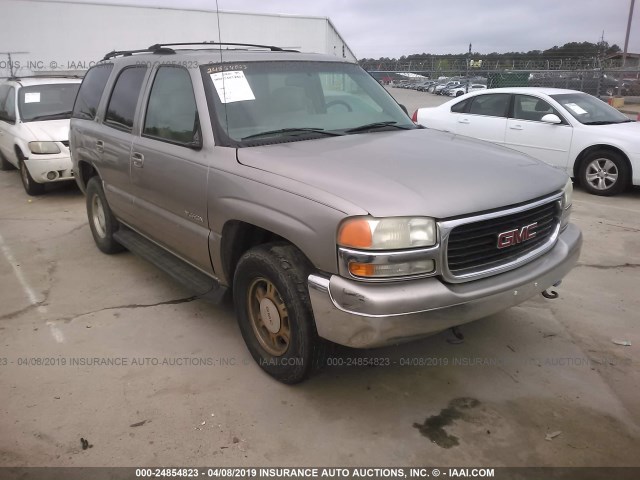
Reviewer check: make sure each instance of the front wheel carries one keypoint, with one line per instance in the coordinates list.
(274, 311)
(32, 187)
(604, 173)
(102, 222)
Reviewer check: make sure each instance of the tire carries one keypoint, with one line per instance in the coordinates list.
(102, 222)
(271, 280)
(4, 163)
(32, 187)
(458, 94)
(605, 173)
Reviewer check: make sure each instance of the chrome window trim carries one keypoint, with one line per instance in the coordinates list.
(445, 228)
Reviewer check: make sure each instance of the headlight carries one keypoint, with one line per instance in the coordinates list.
(567, 200)
(391, 233)
(567, 194)
(44, 147)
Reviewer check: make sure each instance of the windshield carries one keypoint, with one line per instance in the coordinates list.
(47, 102)
(262, 102)
(589, 110)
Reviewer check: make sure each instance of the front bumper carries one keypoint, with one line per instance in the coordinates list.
(57, 166)
(363, 315)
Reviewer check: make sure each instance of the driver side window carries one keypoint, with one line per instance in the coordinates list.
(526, 107)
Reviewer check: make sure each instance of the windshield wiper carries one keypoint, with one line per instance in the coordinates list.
(292, 131)
(607, 122)
(50, 116)
(374, 125)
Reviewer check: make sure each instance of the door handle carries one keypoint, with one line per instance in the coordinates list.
(464, 120)
(516, 127)
(100, 146)
(137, 159)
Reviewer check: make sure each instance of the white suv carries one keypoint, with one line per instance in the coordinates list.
(34, 129)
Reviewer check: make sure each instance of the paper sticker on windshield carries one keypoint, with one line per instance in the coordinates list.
(577, 109)
(32, 97)
(232, 86)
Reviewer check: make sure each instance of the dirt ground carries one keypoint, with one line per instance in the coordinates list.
(109, 349)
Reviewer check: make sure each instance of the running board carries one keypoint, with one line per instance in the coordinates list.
(191, 278)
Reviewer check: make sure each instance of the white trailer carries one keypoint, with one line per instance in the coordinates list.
(68, 37)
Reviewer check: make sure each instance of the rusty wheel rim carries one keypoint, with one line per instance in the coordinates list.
(268, 316)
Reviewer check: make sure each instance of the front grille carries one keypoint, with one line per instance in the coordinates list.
(473, 247)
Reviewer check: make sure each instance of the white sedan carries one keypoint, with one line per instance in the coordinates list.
(462, 89)
(570, 130)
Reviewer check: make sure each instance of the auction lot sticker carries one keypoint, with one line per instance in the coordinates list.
(232, 86)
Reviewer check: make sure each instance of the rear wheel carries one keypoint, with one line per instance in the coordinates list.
(604, 173)
(32, 187)
(274, 311)
(102, 222)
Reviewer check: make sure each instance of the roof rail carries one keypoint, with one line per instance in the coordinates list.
(46, 75)
(165, 48)
(159, 46)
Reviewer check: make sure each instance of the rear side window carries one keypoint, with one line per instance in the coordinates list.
(461, 107)
(88, 98)
(124, 98)
(491, 105)
(172, 115)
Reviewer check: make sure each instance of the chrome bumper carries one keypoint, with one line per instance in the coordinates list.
(363, 315)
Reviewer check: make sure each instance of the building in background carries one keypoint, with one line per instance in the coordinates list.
(67, 37)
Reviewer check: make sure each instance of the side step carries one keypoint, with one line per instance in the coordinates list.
(191, 278)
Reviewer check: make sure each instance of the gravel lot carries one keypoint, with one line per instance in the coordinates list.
(182, 389)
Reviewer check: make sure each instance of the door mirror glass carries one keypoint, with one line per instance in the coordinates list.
(551, 118)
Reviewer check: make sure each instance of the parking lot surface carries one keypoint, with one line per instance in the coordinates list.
(109, 349)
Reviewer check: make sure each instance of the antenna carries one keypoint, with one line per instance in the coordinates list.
(8, 54)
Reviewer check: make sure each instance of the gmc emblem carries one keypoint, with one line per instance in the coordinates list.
(516, 236)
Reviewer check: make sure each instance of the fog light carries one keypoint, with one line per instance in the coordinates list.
(369, 270)
(52, 175)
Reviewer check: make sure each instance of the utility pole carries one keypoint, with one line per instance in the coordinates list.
(626, 45)
(468, 61)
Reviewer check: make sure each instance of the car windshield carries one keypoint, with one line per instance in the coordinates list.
(47, 102)
(262, 102)
(589, 110)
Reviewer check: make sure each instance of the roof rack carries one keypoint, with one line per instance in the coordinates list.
(164, 48)
(46, 75)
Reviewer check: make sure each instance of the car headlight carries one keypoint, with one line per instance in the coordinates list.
(391, 233)
(567, 200)
(42, 148)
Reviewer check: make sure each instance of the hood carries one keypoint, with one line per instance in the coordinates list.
(414, 172)
(629, 131)
(49, 130)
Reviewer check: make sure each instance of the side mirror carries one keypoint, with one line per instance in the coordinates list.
(404, 109)
(551, 118)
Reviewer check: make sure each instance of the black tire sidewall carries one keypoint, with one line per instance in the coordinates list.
(106, 244)
(32, 188)
(267, 261)
(623, 173)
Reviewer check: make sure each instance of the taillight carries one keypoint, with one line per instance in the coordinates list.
(414, 117)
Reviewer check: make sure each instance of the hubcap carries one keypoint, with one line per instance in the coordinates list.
(268, 316)
(602, 173)
(97, 216)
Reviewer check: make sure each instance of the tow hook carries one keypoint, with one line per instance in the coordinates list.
(552, 294)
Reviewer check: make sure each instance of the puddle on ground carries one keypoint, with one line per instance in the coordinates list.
(433, 427)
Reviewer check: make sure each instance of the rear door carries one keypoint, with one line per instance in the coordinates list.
(169, 168)
(526, 132)
(485, 117)
(115, 139)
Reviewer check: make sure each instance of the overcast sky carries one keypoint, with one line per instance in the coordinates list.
(392, 28)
